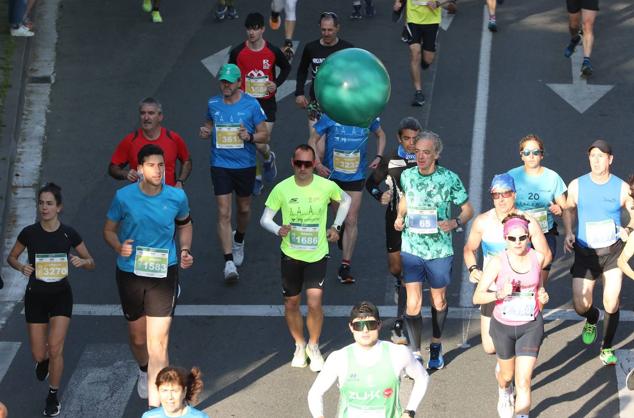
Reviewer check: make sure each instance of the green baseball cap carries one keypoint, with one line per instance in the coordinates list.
(229, 72)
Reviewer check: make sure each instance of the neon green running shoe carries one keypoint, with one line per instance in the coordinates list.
(147, 6)
(607, 356)
(589, 333)
(156, 17)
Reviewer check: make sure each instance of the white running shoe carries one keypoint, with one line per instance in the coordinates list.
(22, 31)
(299, 357)
(506, 403)
(237, 249)
(316, 360)
(231, 272)
(141, 385)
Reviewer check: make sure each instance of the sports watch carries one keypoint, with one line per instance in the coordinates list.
(459, 223)
(337, 227)
(410, 413)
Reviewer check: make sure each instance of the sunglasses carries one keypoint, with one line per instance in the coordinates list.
(497, 195)
(328, 14)
(302, 164)
(521, 238)
(528, 152)
(371, 325)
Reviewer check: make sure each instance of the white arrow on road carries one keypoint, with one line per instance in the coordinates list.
(579, 94)
(446, 20)
(213, 63)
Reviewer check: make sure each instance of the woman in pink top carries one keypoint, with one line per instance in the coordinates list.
(517, 326)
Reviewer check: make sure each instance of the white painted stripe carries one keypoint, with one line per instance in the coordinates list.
(478, 141)
(6, 309)
(213, 62)
(626, 396)
(8, 350)
(332, 311)
(101, 385)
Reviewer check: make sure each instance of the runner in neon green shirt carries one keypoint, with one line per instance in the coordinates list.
(304, 199)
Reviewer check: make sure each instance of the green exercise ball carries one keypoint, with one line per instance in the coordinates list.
(352, 87)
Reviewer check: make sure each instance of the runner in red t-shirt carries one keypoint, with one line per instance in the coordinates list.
(151, 132)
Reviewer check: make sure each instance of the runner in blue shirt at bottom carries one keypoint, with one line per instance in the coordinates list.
(178, 389)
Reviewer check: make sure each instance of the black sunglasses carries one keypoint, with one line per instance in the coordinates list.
(331, 15)
(528, 152)
(521, 238)
(370, 324)
(302, 164)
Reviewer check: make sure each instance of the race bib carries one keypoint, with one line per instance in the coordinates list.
(256, 86)
(541, 216)
(601, 233)
(346, 162)
(422, 221)
(227, 136)
(51, 267)
(151, 262)
(519, 306)
(304, 236)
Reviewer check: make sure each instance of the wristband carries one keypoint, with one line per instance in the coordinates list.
(472, 267)
(380, 157)
(251, 139)
(186, 250)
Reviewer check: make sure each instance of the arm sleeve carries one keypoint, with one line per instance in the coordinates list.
(375, 178)
(282, 62)
(324, 381)
(302, 72)
(344, 206)
(402, 358)
(267, 221)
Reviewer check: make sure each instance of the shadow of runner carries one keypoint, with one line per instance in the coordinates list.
(563, 362)
(603, 377)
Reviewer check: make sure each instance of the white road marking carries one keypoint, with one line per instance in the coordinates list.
(8, 350)
(626, 396)
(446, 19)
(478, 142)
(102, 382)
(580, 95)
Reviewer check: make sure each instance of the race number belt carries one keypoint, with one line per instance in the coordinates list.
(304, 236)
(541, 216)
(227, 136)
(151, 262)
(422, 221)
(601, 233)
(346, 162)
(257, 86)
(519, 306)
(51, 267)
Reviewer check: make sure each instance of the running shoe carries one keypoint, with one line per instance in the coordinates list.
(314, 355)
(41, 370)
(221, 13)
(589, 333)
(419, 98)
(231, 272)
(22, 31)
(398, 333)
(141, 385)
(275, 22)
(506, 403)
(586, 68)
(356, 14)
(237, 249)
(299, 357)
(269, 169)
(156, 17)
(570, 49)
(419, 358)
(232, 13)
(147, 6)
(629, 380)
(344, 276)
(287, 50)
(493, 26)
(258, 186)
(607, 356)
(53, 407)
(436, 360)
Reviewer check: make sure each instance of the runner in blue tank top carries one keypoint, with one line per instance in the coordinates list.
(595, 200)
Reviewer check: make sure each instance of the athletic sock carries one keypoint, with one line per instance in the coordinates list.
(345, 262)
(52, 393)
(239, 237)
(143, 368)
(575, 39)
(491, 18)
(288, 41)
(592, 315)
(228, 257)
(414, 325)
(438, 321)
(610, 323)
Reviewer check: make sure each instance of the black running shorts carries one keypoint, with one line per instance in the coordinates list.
(147, 296)
(592, 263)
(574, 6)
(270, 108)
(44, 302)
(521, 340)
(423, 34)
(298, 274)
(350, 186)
(227, 180)
(392, 236)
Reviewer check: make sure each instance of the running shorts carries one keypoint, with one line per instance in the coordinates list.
(574, 6)
(423, 34)
(298, 274)
(269, 106)
(437, 271)
(147, 296)
(521, 340)
(44, 302)
(227, 180)
(591, 263)
(350, 186)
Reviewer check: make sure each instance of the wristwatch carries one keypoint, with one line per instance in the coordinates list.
(337, 227)
(410, 413)
(459, 223)
(181, 181)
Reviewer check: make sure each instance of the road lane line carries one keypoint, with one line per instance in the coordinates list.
(478, 142)
(8, 350)
(626, 396)
(102, 382)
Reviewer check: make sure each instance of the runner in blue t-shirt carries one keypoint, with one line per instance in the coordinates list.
(539, 191)
(236, 123)
(344, 162)
(140, 227)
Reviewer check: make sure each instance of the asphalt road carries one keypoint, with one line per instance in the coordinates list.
(109, 56)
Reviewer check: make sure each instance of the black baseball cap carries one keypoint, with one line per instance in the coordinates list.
(602, 145)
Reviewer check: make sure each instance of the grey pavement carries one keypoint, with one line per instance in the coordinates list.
(109, 56)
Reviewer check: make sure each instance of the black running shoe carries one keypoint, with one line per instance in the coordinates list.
(41, 370)
(586, 68)
(345, 277)
(419, 98)
(232, 13)
(398, 334)
(53, 407)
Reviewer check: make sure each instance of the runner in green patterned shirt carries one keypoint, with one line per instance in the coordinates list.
(424, 216)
